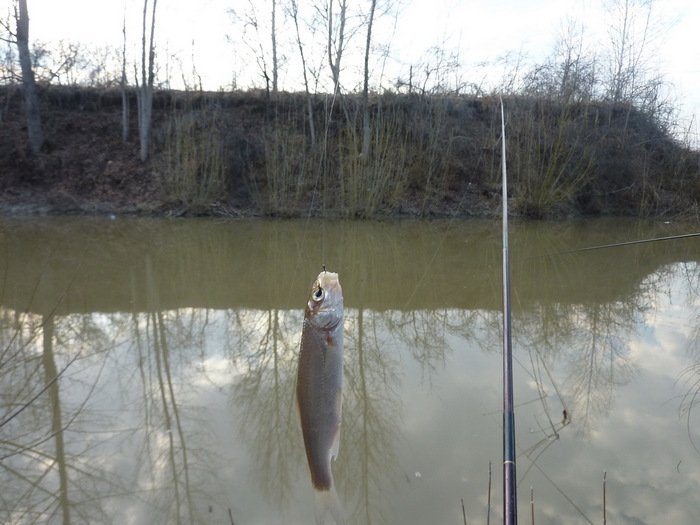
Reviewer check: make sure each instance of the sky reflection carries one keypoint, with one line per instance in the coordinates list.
(187, 414)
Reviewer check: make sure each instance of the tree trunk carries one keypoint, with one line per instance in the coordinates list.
(365, 90)
(309, 106)
(335, 55)
(31, 96)
(51, 376)
(274, 46)
(145, 91)
(125, 92)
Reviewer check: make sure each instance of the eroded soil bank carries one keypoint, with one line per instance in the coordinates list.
(255, 154)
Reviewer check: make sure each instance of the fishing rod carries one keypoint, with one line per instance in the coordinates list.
(618, 244)
(510, 503)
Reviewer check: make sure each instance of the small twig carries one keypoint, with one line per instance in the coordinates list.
(230, 516)
(464, 513)
(488, 501)
(605, 480)
(556, 487)
(26, 405)
(532, 505)
(554, 385)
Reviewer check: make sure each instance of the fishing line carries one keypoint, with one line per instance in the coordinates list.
(322, 168)
(440, 243)
(430, 263)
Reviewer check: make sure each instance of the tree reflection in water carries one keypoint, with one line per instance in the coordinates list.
(691, 375)
(588, 345)
(165, 410)
(265, 358)
(266, 355)
(371, 410)
(100, 420)
(46, 468)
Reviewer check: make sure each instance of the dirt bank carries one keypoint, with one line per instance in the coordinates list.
(430, 156)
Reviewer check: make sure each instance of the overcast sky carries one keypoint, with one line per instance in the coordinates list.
(482, 31)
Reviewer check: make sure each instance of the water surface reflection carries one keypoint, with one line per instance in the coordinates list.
(148, 366)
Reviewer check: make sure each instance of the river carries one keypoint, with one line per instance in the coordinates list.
(147, 370)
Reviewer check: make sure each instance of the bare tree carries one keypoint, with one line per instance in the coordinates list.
(31, 96)
(265, 51)
(365, 88)
(577, 65)
(51, 375)
(8, 60)
(569, 73)
(59, 63)
(145, 90)
(293, 12)
(273, 40)
(124, 87)
(633, 30)
(633, 75)
(336, 39)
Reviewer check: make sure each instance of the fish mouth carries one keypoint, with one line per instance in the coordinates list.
(332, 295)
(328, 279)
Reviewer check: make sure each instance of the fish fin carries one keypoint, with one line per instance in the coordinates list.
(327, 501)
(335, 446)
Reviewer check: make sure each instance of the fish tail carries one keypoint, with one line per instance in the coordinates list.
(328, 501)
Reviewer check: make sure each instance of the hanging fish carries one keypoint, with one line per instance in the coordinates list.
(319, 386)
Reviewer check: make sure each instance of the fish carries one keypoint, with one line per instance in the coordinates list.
(319, 389)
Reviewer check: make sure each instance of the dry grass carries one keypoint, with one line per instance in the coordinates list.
(552, 159)
(288, 168)
(195, 171)
(425, 151)
(377, 183)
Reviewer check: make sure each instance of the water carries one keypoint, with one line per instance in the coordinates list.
(156, 360)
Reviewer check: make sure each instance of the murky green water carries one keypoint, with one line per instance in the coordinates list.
(147, 371)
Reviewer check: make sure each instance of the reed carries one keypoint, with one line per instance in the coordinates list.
(433, 144)
(290, 166)
(605, 496)
(194, 173)
(551, 156)
(376, 183)
(488, 499)
(426, 153)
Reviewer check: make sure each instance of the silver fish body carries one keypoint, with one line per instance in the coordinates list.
(319, 387)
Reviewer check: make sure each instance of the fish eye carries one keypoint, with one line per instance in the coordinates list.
(318, 294)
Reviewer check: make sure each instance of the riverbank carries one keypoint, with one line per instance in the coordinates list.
(288, 155)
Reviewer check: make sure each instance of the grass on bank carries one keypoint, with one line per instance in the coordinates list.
(424, 150)
(552, 158)
(194, 173)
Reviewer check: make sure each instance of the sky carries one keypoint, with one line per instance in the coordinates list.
(481, 30)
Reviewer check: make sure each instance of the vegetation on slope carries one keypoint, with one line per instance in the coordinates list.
(256, 153)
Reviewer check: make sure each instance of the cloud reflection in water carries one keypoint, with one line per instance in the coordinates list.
(161, 391)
